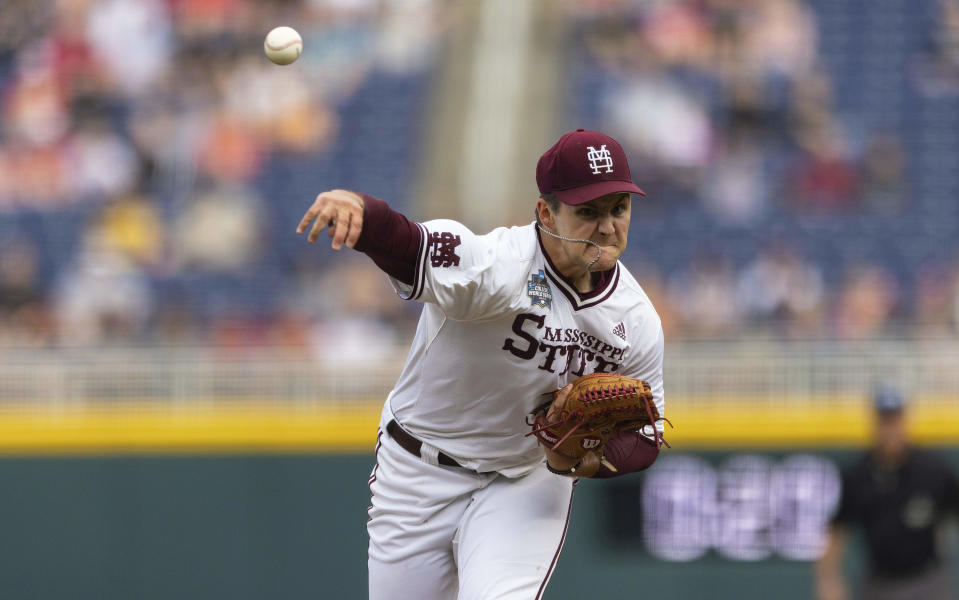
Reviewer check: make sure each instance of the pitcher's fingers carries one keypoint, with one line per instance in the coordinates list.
(315, 231)
(356, 227)
(322, 220)
(307, 218)
(559, 403)
(342, 228)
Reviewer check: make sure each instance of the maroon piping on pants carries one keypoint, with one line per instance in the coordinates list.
(376, 465)
(562, 540)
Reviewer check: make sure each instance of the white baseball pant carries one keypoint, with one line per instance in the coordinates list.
(448, 533)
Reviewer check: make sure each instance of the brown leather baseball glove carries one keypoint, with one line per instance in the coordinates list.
(598, 407)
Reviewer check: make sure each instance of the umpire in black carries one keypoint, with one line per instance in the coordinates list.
(899, 496)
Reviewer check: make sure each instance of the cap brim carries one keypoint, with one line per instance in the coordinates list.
(586, 193)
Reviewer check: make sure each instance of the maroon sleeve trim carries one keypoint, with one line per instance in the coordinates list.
(628, 451)
(419, 273)
(391, 240)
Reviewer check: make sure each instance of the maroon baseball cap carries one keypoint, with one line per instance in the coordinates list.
(582, 166)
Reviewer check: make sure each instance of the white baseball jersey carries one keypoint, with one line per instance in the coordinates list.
(501, 326)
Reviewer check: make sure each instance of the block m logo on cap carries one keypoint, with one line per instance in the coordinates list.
(562, 172)
(599, 159)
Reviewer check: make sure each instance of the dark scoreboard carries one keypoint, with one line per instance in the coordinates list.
(741, 507)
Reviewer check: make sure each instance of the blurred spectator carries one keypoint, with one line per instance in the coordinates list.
(408, 34)
(824, 179)
(677, 33)
(102, 297)
(175, 323)
(132, 225)
(340, 44)
(937, 72)
(101, 163)
(936, 291)
(867, 300)
(19, 283)
(229, 151)
(779, 37)
(219, 230)
(900, 497)
(131, 38)
(79, 71)
(778, 288)
(705, 295)
(20, 20)
(883, 175)
(32, 178)
(661, 123)
(36, 109)
(735, 190)
(165, 141)
(278, 106)
(955, 298)
(651, 280)
(24, 316)
(354, 313)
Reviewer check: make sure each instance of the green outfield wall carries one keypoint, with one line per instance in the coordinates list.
(293, 526)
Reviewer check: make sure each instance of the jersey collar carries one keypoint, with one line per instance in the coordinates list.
(603, 290)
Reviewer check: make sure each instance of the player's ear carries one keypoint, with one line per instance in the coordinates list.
(544, 214)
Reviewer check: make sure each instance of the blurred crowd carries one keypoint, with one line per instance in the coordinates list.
(732, 101)
(791, 210)
(780, 294)
(141, 143)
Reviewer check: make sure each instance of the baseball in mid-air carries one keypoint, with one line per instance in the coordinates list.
(283, 45)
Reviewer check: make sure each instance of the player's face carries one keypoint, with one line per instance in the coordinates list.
(604, 221)
(891, 434)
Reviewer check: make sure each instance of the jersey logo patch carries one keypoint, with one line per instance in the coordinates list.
(538, 290)
(620, 331)
(599, 159)
(443, 247)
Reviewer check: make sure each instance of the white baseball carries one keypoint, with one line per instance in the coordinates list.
(283, 45)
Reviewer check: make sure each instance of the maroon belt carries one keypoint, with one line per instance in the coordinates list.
(413, 445)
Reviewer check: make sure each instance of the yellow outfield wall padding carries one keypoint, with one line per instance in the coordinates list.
(220, 431)
(137, 427)
(835, 424)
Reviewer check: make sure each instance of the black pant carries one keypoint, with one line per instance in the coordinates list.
(933, 584)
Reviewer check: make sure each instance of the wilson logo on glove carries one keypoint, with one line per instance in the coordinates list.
(591, 443)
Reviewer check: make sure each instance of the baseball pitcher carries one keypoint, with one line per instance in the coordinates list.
(537, 361)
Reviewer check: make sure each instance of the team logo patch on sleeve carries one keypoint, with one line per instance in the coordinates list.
(538, 290)
(443, 246)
